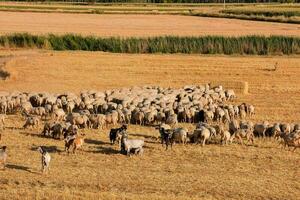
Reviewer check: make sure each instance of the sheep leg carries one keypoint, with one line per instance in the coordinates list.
(203, 143)
(74, 149)
(128, 151)
(241, 140)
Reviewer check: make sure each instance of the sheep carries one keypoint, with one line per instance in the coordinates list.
(180, 135)
(47, 128)
(58, 130)
(226, 137)
(244, 133)
(141, 105)
(233, 126)
(200, 135)
(172, 120)
(58, 114)
(3, 156)
(32, 122)
(260, 129)
(204, 135)
(131, 144)
(46, 158)
(291, 139)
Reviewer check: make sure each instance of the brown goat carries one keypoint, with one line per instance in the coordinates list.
(75, 142)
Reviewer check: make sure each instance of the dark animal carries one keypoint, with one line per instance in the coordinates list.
(166, 137)
(115, 134)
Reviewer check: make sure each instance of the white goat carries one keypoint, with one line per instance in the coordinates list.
(46, 158)
(132, 144)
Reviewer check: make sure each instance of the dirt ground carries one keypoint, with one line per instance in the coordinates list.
(260, 171)
(137, 25)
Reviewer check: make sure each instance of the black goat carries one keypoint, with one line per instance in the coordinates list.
(166, 137)
(115, 134)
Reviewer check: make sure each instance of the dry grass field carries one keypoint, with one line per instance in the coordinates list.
(137, 25)
(274, 93)
(260, 171)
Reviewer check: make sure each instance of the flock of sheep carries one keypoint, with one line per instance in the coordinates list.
(210, 108)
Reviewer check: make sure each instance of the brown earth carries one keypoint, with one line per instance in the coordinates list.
(137, 25)
(260, 171)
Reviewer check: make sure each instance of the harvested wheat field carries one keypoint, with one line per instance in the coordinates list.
(260, 171)
(137, 25)
(274, 93)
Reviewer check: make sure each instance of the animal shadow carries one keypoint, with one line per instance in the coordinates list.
(31, 134)
(106, 150)
(141, 135)
(97, 142)
(18, 167)
(50, 149)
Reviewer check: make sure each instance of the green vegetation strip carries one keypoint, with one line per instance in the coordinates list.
(252, 45)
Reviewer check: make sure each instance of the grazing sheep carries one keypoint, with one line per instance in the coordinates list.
(233, 126)
(58, 130)
(172, 120)
(58, 115)
(244, 133)
(200, 135)
(32, 122)
(204, 135)
(180, 135)
(291, 139)
(46, 158)
(47, 128)
(226, 137)
(3, 156)
(260, 129)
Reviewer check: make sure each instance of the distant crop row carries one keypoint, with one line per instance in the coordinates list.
(253, 45)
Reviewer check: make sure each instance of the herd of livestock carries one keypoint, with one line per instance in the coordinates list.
(210, 108)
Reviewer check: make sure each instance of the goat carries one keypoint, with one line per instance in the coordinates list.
(131, 144)
(166, 137)
(75, 141)
(46, 158)
(115, 134)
